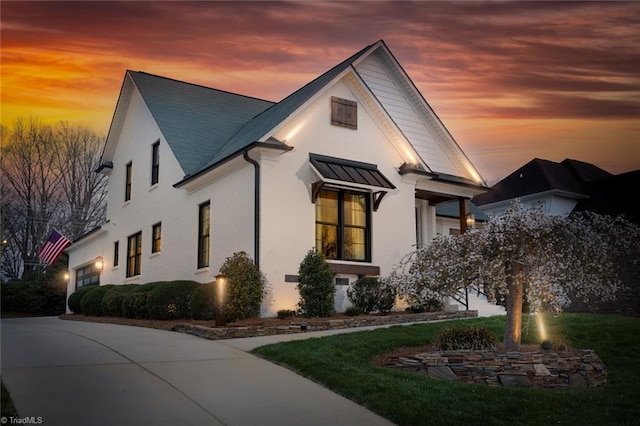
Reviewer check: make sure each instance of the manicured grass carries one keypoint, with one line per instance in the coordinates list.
(7, 409)
(343, 364)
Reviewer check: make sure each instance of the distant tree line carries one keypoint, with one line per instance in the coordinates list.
(47, 181)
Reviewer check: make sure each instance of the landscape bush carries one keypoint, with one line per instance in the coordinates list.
(202, 302)
(32, 298)
(246, 287)
(134, 305)
(170, 300)
(353, 311)
(286, 313)
(76, 297)
(112, 304)
(91, 302)
(465, 338)
(316, 286)
(369, 294)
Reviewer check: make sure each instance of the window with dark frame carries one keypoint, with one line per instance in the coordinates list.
(344, 113)
(127, 181)
(204, 226)
(116, 253)
(155, 163)
(88, 275)
(343, 225)
(156, 238)
(134, 254)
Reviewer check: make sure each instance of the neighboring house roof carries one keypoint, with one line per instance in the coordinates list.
(537, 176)
(613, 196)
(452, 210)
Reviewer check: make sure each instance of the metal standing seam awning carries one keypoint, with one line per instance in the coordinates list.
(349, 173)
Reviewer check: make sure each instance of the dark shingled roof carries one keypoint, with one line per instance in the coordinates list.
(195, 120)
(613, 195)
(543, 175)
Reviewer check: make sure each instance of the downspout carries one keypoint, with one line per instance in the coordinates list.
(256, 207)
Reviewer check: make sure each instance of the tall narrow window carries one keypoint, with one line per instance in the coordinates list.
(344, 113)
(203, 234)
(155, 163)
(156, 237)
(342, 225)
(127, 181)
(134, 254)
(116, 253)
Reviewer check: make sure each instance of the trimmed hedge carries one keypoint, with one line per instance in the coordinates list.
(91, 302)
(76, 297)
(32, 298)
(202, 302)
(134, 305)
(170, 300)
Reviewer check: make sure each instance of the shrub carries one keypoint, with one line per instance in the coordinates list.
(465, 338)
(369, 294)
(202, 302)
(286, 313)
(76, 297)
(134, 305)
(91, 302)
(353, 311)
(427, 305)
(32, 298)
(112, 304)
(170, 300)
(246, 286)
(315, 285)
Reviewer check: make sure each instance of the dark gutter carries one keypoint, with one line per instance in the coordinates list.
(189, 178)
(256, 207)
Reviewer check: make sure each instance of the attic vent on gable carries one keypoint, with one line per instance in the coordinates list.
(344, 113)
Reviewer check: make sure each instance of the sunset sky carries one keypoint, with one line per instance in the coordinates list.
(510, 80)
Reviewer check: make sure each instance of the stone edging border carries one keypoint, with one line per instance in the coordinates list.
(301, 326)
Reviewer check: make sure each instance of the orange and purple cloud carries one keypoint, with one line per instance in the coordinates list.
(510, 80)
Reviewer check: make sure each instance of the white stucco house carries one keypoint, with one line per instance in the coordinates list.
(354, 163)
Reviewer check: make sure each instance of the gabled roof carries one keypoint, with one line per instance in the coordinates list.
(569, 176)
(613, 195)
(196, 121)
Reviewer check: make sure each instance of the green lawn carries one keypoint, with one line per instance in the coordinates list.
(343, 364)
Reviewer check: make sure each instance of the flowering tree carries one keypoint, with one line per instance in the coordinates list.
(523, 252)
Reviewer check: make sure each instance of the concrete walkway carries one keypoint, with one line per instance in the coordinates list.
(79, 373)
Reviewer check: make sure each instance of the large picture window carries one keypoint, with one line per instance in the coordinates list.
(343, 225)
(134, 254)
(203, 234)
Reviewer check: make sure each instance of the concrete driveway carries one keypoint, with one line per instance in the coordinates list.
(77, 373)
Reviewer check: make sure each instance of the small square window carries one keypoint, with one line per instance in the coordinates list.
(344, 113)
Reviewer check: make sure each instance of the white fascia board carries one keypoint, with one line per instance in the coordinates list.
(119, 114)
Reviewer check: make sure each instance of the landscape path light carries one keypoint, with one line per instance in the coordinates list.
(220, 300)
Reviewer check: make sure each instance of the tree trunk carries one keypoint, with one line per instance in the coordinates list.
(513, 332)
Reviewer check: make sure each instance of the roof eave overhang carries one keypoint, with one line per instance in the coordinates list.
(189, 179)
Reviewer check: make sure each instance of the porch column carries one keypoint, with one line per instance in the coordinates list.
(464, 212)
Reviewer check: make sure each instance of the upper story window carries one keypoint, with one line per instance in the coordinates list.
(344, 113)
(128, 178)
(156, 237)
(155, 163)
(204, 226)
(116, 253)
(134, 254)
(343, 225)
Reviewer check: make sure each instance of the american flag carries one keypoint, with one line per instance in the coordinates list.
(53, 247)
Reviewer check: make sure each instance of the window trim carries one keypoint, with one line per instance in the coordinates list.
(156, 240)
(136, 257)
(342, 226)
(94, 272)
(204, 240)
(155, 163)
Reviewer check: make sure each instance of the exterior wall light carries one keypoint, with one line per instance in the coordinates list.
(99, 264)
(220, 300)
(471, 221)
